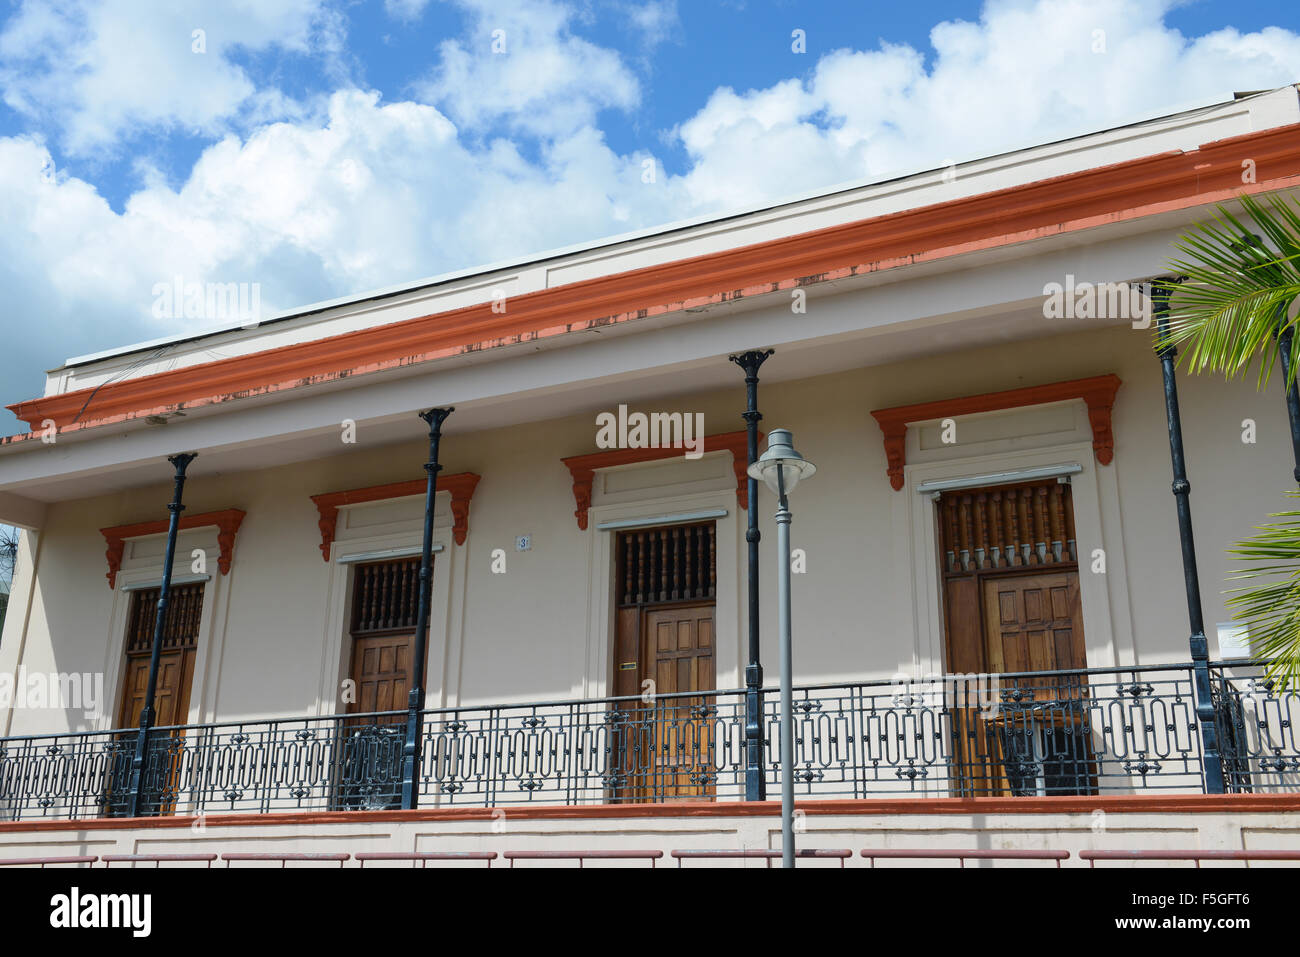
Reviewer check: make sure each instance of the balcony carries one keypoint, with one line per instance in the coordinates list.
(1087, 732)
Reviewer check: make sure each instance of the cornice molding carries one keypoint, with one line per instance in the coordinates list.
(1162, 183)
(227, 522)
(583, 467)
(1098, 392)
(460, 486)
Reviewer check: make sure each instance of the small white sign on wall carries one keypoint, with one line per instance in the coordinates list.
(1234, 640)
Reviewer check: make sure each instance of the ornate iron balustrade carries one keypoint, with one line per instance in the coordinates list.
(1119, 730)
(1257, 731)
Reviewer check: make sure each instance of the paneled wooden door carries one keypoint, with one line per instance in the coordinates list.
(172, 694)
(1011, 599)
(666, 581)
(678, 656)
(381, 667)
(1033, 623)
(171, 697)
(385, 605)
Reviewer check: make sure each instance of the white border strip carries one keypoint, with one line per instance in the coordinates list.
(385, 553)
(1000, 478)
(176, 580)
(674, 519)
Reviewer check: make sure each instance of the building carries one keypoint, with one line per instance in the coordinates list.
(956, 349)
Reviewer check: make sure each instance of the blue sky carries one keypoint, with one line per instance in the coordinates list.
(321, 148)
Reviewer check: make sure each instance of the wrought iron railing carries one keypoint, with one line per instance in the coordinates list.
(1257, 730)
(1117, 730)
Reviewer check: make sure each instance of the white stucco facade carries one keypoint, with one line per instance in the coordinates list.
(513, 626)
(866, 607)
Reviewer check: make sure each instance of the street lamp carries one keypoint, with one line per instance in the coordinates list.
(782, 468)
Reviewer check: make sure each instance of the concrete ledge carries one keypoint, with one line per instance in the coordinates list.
(1073, 824)
(1110, 803)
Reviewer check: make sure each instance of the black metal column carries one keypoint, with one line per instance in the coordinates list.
(1284, 348)
(755, 780)
(1199, 646)
(415, 702)
(140, 758)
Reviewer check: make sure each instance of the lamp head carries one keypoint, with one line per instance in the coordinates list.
(781, 459)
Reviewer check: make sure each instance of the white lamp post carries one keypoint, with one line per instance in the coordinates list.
(781, 468)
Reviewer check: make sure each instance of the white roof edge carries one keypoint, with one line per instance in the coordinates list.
(1222, 100)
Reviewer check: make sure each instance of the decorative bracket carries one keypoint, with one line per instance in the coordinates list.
(226, 521)
(1098, 392)
(583, 467)
(461, 486)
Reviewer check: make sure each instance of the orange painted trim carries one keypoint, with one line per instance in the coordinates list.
(227, 522)
(1105, 195)
(1110, 803)
(583, 467)
(1098, 392)
(461, 486)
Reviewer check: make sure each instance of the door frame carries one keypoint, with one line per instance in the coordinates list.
(122, 690)
(144, 571)
(442, 666)
(349, 662)
(595, 656)
(206, 658)
(918, 582)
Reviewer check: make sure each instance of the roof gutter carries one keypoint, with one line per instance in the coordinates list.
(1105, 195)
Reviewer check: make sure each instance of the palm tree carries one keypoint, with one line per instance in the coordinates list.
(1233, 307)
(1270, 607)
(1234, 302)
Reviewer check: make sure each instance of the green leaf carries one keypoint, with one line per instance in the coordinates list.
(1242, 280)
(1270, 606)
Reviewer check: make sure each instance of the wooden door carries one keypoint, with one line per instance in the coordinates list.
(1033, 623)
(385, 605)
(662, 749)
(175, 664)
(678, 656)
(171, 696)
(381, 668)
(1038, 739)
(1011, 602)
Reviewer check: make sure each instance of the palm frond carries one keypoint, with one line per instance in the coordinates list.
(1242, 278)
(1270, 606)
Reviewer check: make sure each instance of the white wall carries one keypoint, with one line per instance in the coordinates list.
(274, 646)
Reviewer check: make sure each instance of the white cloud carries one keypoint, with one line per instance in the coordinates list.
(97, 69)
(656, 20)
(509, 159)
(1026, 72)
(522, 66)
(405, 10)
(370, 195)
